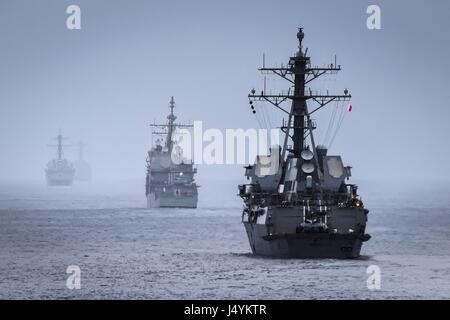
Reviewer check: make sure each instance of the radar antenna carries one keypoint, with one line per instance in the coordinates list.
(298, 73)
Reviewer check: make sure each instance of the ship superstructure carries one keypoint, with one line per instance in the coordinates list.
(304, 208)
(83, 171)
(170, 178)
(59, 171)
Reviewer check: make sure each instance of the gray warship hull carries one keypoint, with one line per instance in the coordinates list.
(170, 201)
(83, 171)
(276, 232)
(168, 194)
(170, 181)
(57, 179)
(302, 245)
(59, 171)
(298, 203)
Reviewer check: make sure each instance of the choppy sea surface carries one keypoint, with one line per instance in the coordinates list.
(125, 251)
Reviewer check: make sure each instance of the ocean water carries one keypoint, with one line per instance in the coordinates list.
(125, 251)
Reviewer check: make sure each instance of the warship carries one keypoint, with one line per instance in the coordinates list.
(59, 171)
(170, 179)
(304, 208)
(83, 171)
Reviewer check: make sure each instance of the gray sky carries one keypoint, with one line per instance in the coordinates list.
(105, 83)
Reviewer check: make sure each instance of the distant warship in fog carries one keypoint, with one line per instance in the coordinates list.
(169, 183)
(304, 208)
(83, 170)
(59, 171)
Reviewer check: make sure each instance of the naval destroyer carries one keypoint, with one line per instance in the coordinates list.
(301, 206)
(59, 171)
(170, 179)
(83, 171)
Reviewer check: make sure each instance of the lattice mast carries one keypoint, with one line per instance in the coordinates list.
(170, 127)
(299, 73)
(59, 146)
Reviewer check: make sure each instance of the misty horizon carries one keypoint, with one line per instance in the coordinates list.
(104, 84)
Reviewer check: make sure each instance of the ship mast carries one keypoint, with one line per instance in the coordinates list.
(299, 73)
(59, 138)
(170, 127)
(60, 147)
(171, 124)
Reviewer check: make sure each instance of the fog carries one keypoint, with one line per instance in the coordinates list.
(104, 84)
